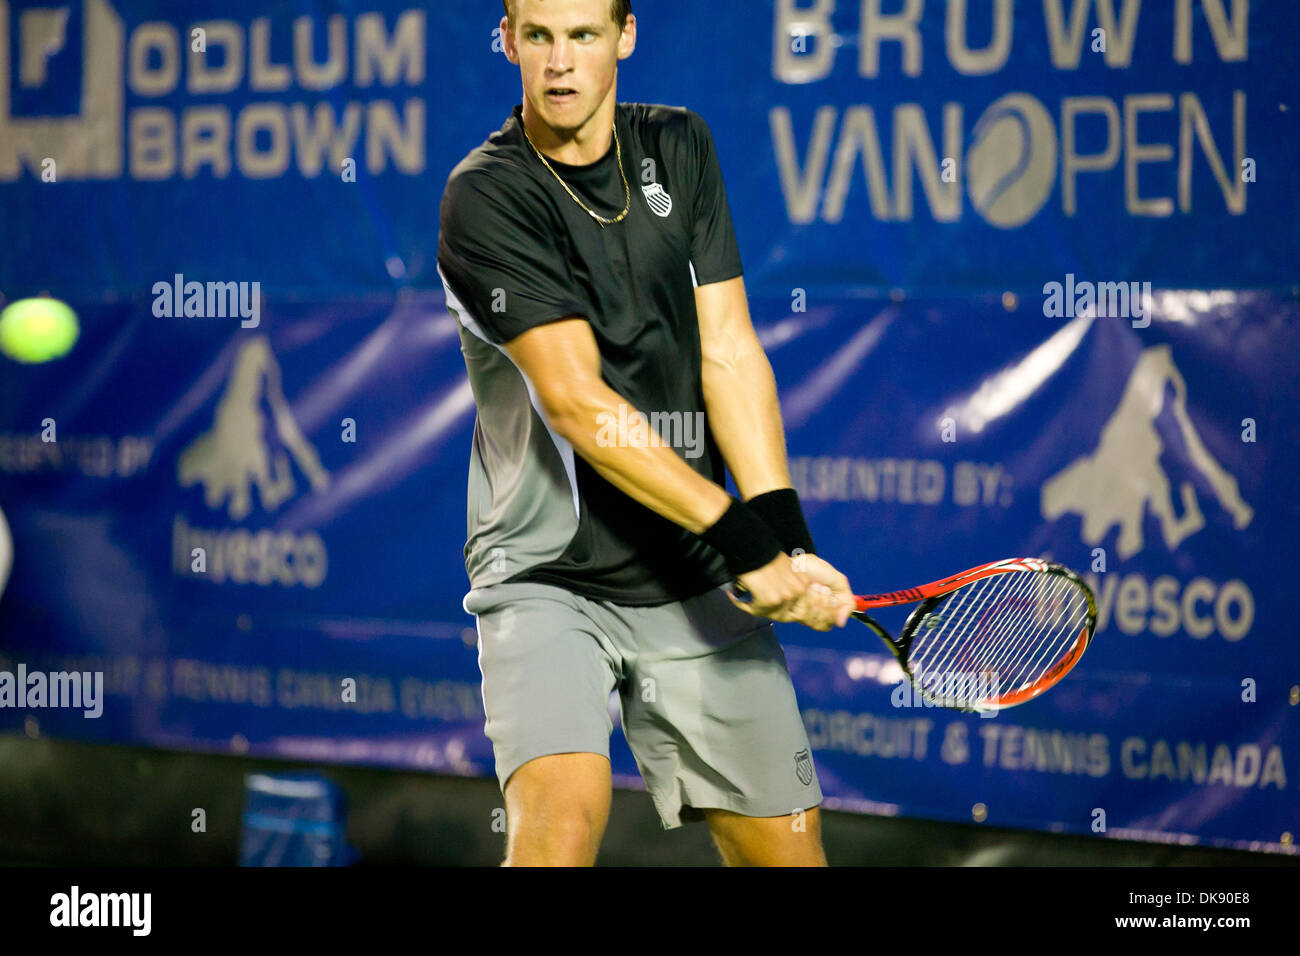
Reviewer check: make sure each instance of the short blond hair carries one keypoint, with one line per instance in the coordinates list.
(619, 11)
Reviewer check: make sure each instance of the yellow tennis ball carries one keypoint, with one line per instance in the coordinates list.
(37, 330)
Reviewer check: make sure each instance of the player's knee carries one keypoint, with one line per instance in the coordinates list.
(556, 836)
(570, 838)
(557, 808)
(793, 840)
(572, 780)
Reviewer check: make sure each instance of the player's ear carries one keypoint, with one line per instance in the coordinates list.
(508, 42)
(627, 40)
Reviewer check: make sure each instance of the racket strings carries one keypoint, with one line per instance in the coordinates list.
(944, 653)
(985, 637)
(1024, 632)
(1068, 614)
(998, 634)
(1031, 642)
(1008, 632)
(999, 618)
(1022, 660)
(946, 646)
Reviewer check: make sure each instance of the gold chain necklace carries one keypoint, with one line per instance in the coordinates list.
(627, 190)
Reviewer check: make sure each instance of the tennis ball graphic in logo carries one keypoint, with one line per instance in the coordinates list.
(37, 330)
(1011, 166)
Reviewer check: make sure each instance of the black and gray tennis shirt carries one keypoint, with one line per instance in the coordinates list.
(516, 251)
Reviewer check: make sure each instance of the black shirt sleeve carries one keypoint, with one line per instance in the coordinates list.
(714, 251)
(502, 260)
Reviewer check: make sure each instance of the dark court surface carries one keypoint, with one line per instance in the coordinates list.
(76, 804)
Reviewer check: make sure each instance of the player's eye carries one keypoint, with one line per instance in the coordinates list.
(535, 35)
(584, 33)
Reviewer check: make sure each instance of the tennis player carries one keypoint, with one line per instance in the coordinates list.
(587, 251)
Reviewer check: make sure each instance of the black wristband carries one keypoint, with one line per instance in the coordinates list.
(742, 538)
(781, 511)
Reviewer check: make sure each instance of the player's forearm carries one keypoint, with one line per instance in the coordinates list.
(646, 471)
(745, 416)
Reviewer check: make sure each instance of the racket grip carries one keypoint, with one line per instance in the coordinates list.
(738, 591)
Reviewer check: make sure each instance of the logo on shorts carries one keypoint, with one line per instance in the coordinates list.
(660, 203)
(803, 767)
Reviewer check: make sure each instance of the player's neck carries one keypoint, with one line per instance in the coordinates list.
(580, 147)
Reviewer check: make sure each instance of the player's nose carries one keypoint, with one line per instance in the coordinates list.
(561, 57)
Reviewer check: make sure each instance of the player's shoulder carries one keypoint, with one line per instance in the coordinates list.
(662, 120)
(494, 174)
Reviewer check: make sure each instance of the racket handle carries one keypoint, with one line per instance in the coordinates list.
(738, 591)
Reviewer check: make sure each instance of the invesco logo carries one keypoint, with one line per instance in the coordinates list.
(1011, 164)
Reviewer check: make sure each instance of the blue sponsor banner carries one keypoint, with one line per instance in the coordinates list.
(945, 147)
(1078, 340)
(1159, 462)
(1139, 457)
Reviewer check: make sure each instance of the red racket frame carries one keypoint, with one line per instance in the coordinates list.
(930, 593)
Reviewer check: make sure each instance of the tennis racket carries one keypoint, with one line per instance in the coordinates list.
(991, 637)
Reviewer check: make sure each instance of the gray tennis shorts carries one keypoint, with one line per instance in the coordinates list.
(705, 695)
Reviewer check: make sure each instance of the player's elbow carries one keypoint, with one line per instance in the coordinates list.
(573, 409)
(732, 353)
(719, 361)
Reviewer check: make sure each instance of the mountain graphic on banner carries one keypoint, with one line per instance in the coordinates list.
(1122, 478)
(237, 453)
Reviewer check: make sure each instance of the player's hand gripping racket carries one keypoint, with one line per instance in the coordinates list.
(991, 637)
